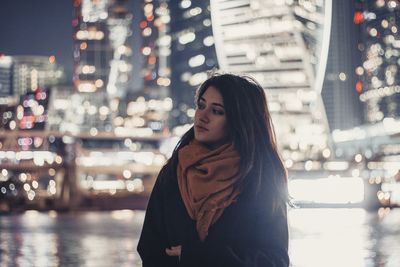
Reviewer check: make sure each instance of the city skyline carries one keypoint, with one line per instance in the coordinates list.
(23, 32)
(95, 141)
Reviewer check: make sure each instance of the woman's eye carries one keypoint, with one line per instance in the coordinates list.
(201, 106)
(218, 112)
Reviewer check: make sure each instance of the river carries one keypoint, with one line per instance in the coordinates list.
(318, 238)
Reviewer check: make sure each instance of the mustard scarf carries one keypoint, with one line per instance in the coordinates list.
(207, 181)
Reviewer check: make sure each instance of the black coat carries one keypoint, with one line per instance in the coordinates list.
(247, 234)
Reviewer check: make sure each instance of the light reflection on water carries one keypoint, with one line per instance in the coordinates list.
(319, 237)
(80, 239)
(344, 237)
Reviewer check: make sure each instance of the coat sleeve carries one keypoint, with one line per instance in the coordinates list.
(266, 245)
(153, 240)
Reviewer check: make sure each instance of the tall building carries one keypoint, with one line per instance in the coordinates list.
(23, 74)
(380, 47)
(283, 45)
(26, 83)
(6, 76)
(101, 59)
(192, 54)
(156, 48)
(343, 106)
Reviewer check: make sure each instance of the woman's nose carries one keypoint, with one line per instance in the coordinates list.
(204, 116)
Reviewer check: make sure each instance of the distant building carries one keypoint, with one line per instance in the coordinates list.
(102, 67)
(25, 85)
(6, 76)
(32, 72)
(343, 106)
(23, 74)
(379, 76)
(156, 49)
(192, 54)
(100, 52)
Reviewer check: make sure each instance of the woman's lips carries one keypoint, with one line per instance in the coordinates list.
(201, 128)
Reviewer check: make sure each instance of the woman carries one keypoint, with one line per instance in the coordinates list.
(221, 198)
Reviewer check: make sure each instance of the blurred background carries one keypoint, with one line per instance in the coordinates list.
(94, 95)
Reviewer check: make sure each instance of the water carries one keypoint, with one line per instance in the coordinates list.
(319, 238)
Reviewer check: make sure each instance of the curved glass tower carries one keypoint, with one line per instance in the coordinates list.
(284, 45)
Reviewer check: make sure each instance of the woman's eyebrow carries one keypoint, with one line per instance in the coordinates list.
(215, 104)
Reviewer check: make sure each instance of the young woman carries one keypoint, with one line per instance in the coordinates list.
(221, 198)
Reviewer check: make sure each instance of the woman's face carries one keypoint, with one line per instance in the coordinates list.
(210, 125)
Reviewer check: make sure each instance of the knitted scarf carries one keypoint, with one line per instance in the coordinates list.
(207, 181)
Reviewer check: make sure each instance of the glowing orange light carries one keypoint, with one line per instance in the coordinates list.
(359, 86)
(83, 46)
(143, 24)
(358, 17)
(152, 60)
(150, 18)
(52, 59)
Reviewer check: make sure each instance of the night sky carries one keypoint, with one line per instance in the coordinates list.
(37, 27)
(43, 27)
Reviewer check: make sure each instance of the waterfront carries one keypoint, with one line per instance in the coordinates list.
(319, 237)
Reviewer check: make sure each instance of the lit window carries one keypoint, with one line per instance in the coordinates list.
(392, 4)
(185, 76)
(196, 61)
(185, 4)
(187, 38)
(195, 11)
(192, 12)
(146, 51)
(164, 40)
(99, 83)
(207, 22)
(373, 32)
(197, 78)
(147, 31)
(208, 41)
(83, 46)
(87, 69)
(86, 87)
(148, 8)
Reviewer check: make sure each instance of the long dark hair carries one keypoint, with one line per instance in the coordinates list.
(252, 133)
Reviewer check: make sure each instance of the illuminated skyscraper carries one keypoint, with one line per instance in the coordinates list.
(192, 54)
(343, 106)
(26, 83)
(101, 55)
(22, 74)
(380, 46)
(284, 45)
(6, 77)
(156, 48)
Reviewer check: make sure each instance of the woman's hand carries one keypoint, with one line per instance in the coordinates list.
(174, 251)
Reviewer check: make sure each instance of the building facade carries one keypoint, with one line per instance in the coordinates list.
(102, 67)
(284, 46)
(379, 77)
(6, 76)
(156, 48)
(192, 54)
(341, 98)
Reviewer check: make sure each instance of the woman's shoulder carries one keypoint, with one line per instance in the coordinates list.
(166, 180)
